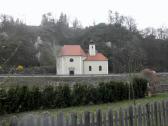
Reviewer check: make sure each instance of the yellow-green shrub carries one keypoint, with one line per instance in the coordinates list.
(20, 68)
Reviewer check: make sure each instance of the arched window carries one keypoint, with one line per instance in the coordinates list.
(71, 60)
(100, 68)
(90, 68)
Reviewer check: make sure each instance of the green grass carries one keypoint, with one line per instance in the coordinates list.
(93, 108)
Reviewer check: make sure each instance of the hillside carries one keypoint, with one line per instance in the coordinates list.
(127, 48)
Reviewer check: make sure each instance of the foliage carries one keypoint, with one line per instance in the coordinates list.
(21, 99)
(112, 91)
(20, 68)
(140, 87)
(84, 94)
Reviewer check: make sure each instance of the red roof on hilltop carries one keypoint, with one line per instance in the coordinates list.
(76, 50)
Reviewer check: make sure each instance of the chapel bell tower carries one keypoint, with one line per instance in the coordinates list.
(92, 48)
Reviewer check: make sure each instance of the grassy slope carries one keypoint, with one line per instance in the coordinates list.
(93, 108)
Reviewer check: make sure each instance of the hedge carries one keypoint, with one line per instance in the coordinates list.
(21, 99)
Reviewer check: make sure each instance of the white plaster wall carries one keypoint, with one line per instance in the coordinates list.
(95, 67)
(58, 65)
(64, 64)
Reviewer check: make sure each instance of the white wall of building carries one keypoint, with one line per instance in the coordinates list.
(64, 65)
(95, 67)
(58, 65)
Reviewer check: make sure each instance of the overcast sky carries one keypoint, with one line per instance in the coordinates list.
(147, 13)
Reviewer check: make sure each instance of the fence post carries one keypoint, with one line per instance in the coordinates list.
(116, 119)
(144, 116)
(73, 119)
(60, 119)
(38, 121)
(135, 115)
(46, 120)
(14, 121)
(126, 117)
(152, 115)
(110, 118)
(148, 114)
(86, 118)
(80, 120)
(121, 117)
(160, 114)
(164, 113)
(104, 118)
(92, 119)
(156, 113)
(139, 116)
(99, 118)
(53, 121)
(131, 116)
(67, 120)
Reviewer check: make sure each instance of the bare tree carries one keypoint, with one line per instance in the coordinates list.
(110, 17)
(76, 24)
(115, 18)
(130, 24)
(149, 32)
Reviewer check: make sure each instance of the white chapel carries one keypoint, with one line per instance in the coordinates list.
(72, 60)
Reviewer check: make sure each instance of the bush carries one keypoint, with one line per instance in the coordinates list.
(84, 94)
(48, 97)
(140, 87)
(112, 91)
(62, 96)
(35, 98)
(20, 68)
(79, 94)
(21, 99)
(3, 101)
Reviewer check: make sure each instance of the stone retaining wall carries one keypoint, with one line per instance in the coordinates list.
(55, 80)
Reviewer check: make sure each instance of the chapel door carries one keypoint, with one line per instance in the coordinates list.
(71, 72)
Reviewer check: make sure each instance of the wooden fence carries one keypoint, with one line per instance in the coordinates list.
(155, 114)
(163, 88)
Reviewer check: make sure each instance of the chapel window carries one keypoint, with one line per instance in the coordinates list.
(90, 68)
(71, 60)
(100, 68)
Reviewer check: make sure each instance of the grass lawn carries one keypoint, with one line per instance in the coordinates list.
(93, 108)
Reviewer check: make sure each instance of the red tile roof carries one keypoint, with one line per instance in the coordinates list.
(76, 50)
(72, 50)
(97, 57)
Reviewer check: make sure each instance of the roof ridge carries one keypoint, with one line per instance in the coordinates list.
(72, 50)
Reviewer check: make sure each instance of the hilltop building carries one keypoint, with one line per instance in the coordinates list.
(72, 60)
